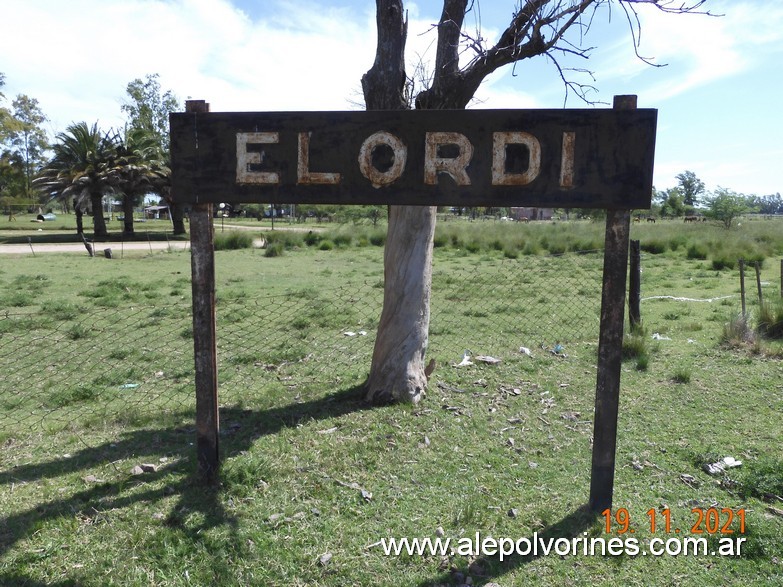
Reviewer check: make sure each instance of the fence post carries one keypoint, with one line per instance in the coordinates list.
(202, 261)
(635, 286)
(758, 284)
(742, 287)
(610, 346)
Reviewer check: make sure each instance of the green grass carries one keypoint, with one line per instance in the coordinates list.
(98, 378)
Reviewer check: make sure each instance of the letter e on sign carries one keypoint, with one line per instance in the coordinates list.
(245, 159)
(499, 142)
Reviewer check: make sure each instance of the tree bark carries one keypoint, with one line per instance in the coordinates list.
(397, 370)
(177, 218)
(99, 223)
(127, 212)
(77, 208)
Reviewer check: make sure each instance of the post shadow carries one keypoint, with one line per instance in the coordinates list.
(244, 426)
(488, 568)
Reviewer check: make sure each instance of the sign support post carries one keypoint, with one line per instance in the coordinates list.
(202, 259)
(610, 348)
(558, 158)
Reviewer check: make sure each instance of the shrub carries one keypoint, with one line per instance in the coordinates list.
(636, 347)
(530, 248)
(557, 248)
(682, 374)
(655, 247)
(378, 239)
(697, 251)
(228, 241)
(288, 239)
(440, 240)
(770, 323)
(724, 261)
(274, 250)
(342, 240)
(737, 332)
(312, 238)
(326, 245)
(676, 242)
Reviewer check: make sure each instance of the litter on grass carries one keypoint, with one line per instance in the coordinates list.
(720, 466)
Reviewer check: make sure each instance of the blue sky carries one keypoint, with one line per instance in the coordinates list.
(718, 95)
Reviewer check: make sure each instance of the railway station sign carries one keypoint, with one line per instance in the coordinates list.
(583, 158)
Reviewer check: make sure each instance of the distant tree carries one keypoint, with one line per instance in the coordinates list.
(28, 138)
(726, 206)
(11, 176)
(673, 203)
(770, 204)
(79, 169)
(11, 182)
(139, 167)
(148, 108)
(691, 187)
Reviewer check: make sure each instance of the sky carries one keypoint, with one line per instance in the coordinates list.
(717, 83)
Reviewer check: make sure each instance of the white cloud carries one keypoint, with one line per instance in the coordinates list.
(697, 49)
(207, 49)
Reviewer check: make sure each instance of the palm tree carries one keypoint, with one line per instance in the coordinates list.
(83, 156)
(139, 168)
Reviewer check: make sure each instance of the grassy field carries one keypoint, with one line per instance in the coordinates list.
(98, 358)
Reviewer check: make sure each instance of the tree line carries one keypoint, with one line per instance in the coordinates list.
(84, 163)
(690, 197)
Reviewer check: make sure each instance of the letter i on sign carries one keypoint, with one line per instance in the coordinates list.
(567, 160)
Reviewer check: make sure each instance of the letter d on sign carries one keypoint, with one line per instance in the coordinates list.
(499, 142)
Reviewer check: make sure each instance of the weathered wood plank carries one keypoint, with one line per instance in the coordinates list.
(557, 158)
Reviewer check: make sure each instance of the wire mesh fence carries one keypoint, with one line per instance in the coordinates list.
(66, 367)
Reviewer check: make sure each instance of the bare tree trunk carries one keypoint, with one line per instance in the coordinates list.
(397, 371)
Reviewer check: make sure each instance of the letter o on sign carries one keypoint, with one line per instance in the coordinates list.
(377, 177)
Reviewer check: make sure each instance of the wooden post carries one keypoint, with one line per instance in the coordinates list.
(758, 284)
(742, 287)
(635, 286)
(202, 261)
(610, 346)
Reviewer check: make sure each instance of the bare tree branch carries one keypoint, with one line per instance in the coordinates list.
(537, 28)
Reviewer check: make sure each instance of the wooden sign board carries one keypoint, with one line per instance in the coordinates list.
(555, 158)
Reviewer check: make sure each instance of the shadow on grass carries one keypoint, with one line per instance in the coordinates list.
(241, 428)
(487, 568)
